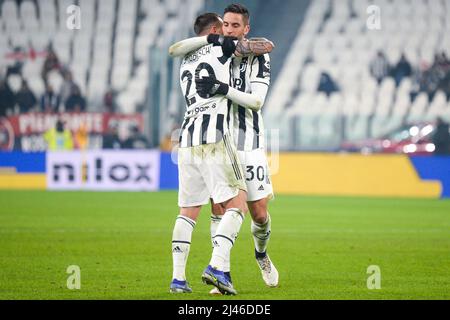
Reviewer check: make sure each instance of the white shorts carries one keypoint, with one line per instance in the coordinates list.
(209, 171)
(257, 176)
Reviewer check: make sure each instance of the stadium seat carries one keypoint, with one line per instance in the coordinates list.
(79, 77)
(20, 40)
(28, 10)
(437, 106)
(112, 49)
(126, 103)
(336, 38)
(418, 108)
(55, 79)
(62, 11)
(446, 114)
(36, 85)
(9, 9)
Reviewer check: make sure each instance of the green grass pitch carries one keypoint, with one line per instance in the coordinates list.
(322, 247)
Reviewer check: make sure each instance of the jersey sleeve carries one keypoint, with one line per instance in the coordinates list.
(253, 100)
(185, 46)
(260, 72)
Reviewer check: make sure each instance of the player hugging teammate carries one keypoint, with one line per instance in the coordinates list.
(224, 78)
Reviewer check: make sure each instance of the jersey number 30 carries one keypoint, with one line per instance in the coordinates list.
(258, 173)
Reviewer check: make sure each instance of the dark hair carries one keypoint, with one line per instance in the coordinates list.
(205, 21)
(239, 9)
(59, 126)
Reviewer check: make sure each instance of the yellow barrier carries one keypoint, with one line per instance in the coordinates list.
(351, 175)
(23, 181)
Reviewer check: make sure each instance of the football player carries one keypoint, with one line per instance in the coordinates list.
(207, 157)
(251, 75)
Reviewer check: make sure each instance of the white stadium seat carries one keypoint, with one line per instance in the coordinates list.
(112, 49)
(9, 9)
(416, 28)
(28, 10)
(437, 106)
(105, 46)
(418, 108)
(36, 85)
(15, 82)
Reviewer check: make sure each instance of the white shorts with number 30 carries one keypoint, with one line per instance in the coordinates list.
(256, 174)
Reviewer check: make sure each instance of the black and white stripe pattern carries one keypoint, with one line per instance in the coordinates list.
(228, 237)
(205, 129)
(207, 118)
(223, 236)
(179, 241)
(239, 212)
(190, 222)
(248, 126)
(216, 218)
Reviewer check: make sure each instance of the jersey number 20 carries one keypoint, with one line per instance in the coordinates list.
(190, 100)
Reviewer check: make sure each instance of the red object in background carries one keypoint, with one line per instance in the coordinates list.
(414, 139)
(6, 134)
(95, 122)
(32, 54)
(25, 126)
(23, 55)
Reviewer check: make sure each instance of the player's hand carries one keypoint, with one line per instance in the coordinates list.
(256, 46)
(209, 86)
(227, 43)
(219, 39)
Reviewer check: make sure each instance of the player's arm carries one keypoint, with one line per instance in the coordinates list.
(259, 84)
(253, 46)
(259, 79)
(241, 48)
(253, 101)
(183, 47)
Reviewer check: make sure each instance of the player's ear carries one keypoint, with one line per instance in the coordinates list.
(246, 30)
(218, 30)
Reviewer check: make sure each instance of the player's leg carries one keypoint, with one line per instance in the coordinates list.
(223, 242)
(181, 239)
(217, 212)
(260, 225)
(192, 195)
(225, 178)
(233, 200)
(216, 216)
(260, 192)
(261, 230)
(181, 243)
(228, 230)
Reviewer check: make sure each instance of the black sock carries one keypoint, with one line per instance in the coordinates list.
(260, 255)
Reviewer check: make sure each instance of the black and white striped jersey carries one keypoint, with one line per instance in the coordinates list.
(207, 119)
(248, 124)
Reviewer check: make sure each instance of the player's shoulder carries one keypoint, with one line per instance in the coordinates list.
(197, 54)
(266, 56)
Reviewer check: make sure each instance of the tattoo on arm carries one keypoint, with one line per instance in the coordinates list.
(256, 46)
(243, 48)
